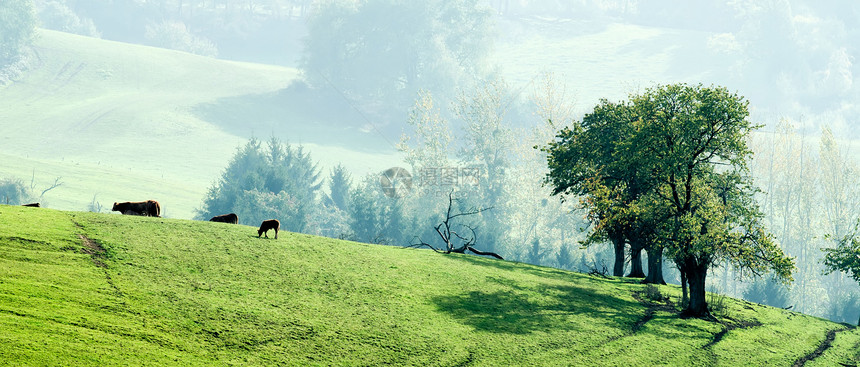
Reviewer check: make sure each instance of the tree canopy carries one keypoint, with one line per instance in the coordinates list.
(264, 182)
(683, 152)
(845, 257)
(587, 161)
(379, 50)
(17, 28)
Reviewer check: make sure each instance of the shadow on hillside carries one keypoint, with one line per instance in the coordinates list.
(545, 272)
(540, 309)
(302, 114)
(517, 307)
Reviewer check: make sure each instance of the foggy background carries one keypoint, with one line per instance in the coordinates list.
(335, 92)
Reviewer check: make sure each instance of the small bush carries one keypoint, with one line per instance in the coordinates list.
(14, 192)
(717, 304)
(652, 293)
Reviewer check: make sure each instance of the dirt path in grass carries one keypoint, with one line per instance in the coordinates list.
(828, 341)
(729, 326)
(660, 304)
(94, 249)
(657, 302)
(98, 254)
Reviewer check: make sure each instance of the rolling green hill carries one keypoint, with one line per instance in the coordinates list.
(126, 122)
(81, 288)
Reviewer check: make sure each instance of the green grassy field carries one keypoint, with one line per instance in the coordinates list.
(80, 288)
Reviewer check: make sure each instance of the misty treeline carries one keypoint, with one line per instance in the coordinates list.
(478, 151)
(477, 156)
(810, 182)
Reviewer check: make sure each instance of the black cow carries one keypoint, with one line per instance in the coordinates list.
(267, 225)
(149, 208)
(231, 218)
(33, 205)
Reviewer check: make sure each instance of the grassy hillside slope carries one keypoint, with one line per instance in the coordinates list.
(128, 122)
(81, 288)
(597, 60)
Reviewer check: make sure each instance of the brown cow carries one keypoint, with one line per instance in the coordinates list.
(231, 218)
(149, 208)
(33, 205)
(267, 225)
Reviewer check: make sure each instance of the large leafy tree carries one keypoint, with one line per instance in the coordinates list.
(264, 182)
(386, 50)
(669, 169)
(17, 28)
(693, 140)
(585, 161)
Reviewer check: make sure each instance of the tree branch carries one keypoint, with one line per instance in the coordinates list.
(57, 183)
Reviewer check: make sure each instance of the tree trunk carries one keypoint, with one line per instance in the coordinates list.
(636, 248)
(696, 273)
(618, 242)
(684, 297)
(655, 266)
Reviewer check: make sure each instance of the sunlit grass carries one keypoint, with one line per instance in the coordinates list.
(178, 292)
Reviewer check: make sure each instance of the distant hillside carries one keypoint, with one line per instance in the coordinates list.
(603, 59)
(129, 122)
(83, 289)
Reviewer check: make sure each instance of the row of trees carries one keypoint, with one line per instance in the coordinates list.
(811, 198)
(477, 155)
(668, 171)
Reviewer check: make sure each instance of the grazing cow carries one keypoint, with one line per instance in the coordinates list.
(267, 225)
(149, 208)
(231, 218)
(32, 205)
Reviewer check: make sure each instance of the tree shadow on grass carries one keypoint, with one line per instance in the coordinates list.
(513, 306)
(544, 272)
(544, 309)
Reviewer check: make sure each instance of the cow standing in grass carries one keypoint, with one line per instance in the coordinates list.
(231, 218)
(149, 208)
(267, 225)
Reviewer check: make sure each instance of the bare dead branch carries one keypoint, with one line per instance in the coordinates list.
(57, 183)
(484, 253)
(424, 244)
(471, 211)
